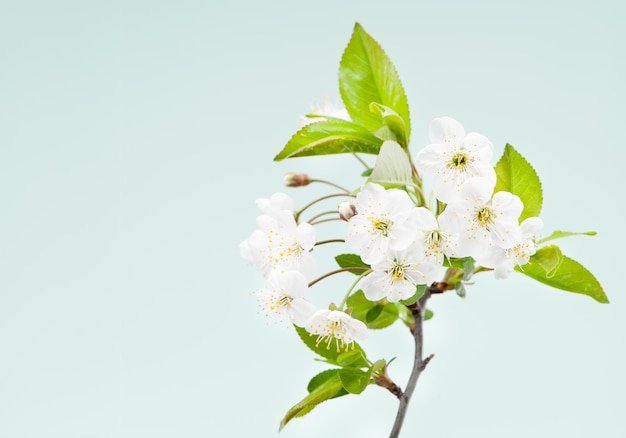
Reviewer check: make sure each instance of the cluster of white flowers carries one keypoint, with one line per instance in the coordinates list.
(404, 244)
(281, 249)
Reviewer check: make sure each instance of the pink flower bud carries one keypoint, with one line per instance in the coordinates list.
(296, 179)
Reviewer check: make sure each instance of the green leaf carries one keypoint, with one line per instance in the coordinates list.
(459, 263)
(392, 166)
(386, 314)
(352, 359)
(373, 313)
(393, 125)
(367, 172)
(558, 234)
(328, 350)
(547, 259)
(516, 175)
(330, 136)
(325, 390)
(355, 381)
(564, 273)
(367, 75)
(428, 314)
(351, 261)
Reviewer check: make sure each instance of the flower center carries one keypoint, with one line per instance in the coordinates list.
(280, 301)
(486, 217)
(398, 271)
(381, 226)
(459, 160)
(334, 330)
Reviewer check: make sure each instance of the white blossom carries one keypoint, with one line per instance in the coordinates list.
(380, 223)
(397, 275)
(503, 261)
(434, 241)
(277, 202)
(453, 157)
(337, 326)
(482, 221)
(284, 296)
(281, 244)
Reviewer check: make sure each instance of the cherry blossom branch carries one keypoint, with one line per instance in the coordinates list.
(419, 364)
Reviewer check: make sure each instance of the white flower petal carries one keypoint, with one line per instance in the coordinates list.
(446, 130)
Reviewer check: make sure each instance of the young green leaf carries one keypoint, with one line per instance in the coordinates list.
(366, 75)
(322, 392)
(327, 350)
(324, 378)
(375, 316)
(558, 234)
(517, 176)
(392, 124)
(428, 314)
(568, 275)
(547, 259)
(352, 261)
(392, 166)
(355, 381)
(332, 136)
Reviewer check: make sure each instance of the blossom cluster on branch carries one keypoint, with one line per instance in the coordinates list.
(401, 242)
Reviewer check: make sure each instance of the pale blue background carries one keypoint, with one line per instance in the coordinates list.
(134, 138)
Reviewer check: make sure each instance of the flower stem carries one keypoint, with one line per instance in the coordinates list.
(361, 160)
(351, 288)
(330, 184)
(419, 364)
(337, 271)
(324, 213)
(310, 204)
(324, 242)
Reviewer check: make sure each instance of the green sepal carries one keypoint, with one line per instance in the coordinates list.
(516, 175)
(329, 353)
(330, 136)
(428, 314)
(351, 261)
(383, 316)
(550, 267)
(460, 289)
(366, 75)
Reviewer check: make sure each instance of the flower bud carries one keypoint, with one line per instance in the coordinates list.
(296, 179)
(346, 210)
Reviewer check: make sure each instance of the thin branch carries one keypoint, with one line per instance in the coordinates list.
(337, 271)
(330, 183)
(324, 213)
(419, 364)
(323, 242)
